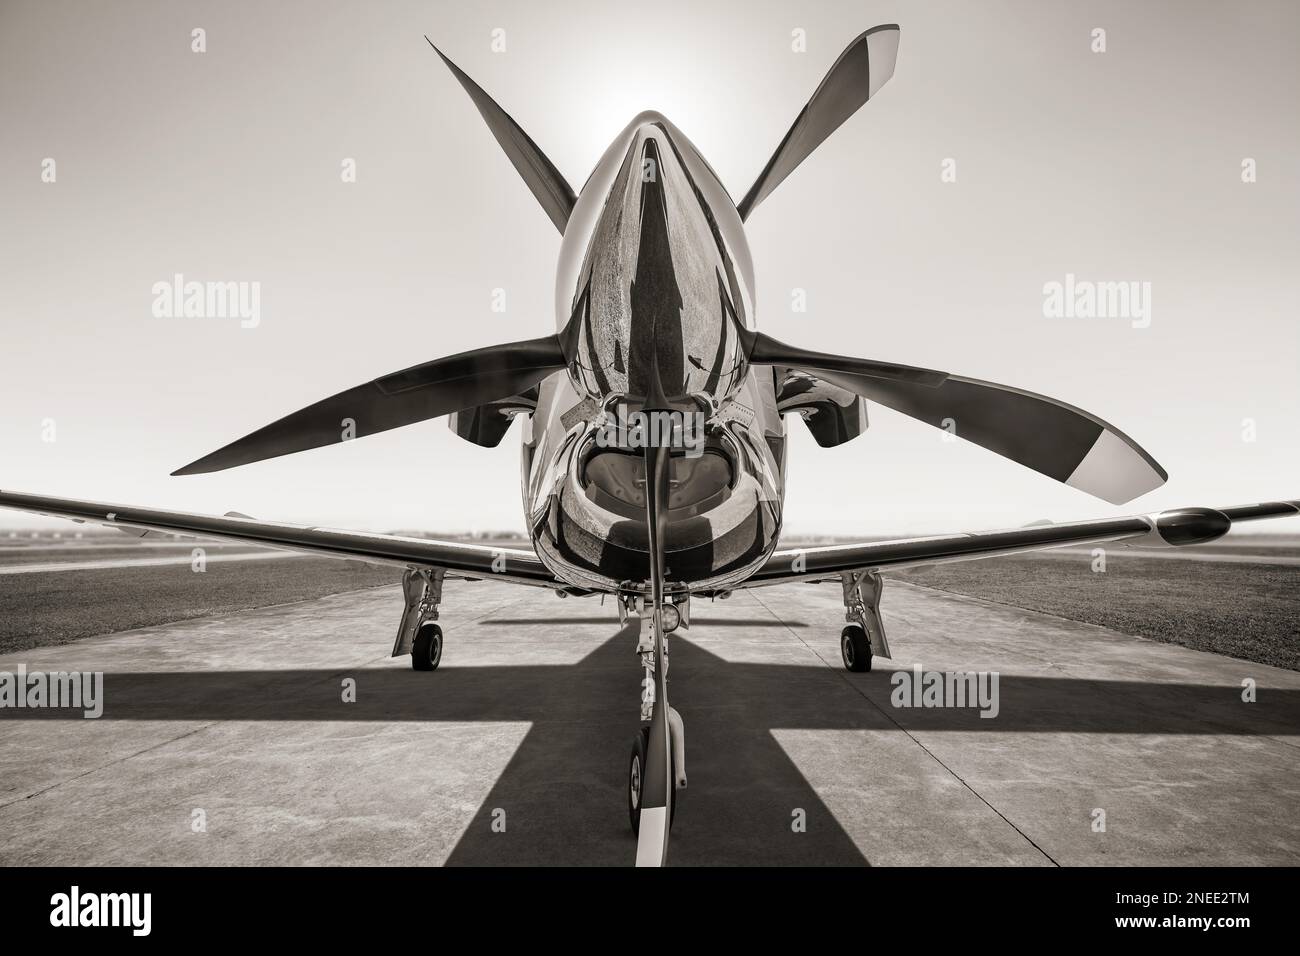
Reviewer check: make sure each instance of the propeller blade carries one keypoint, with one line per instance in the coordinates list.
(418, 393)
(862, 69)
(765, 350)
(538, 172)
(1051, 437)
(657, 787)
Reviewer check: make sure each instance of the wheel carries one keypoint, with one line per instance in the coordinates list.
(855, 647)
(426, 649)
(636, 777)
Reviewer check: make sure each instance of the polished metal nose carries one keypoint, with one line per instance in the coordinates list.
(656, 354)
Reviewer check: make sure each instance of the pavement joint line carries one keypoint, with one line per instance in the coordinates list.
(930, 753)
(111, 763)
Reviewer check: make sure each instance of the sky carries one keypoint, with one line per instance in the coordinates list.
(226, 165)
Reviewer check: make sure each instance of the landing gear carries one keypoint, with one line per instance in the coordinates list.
(864, 637)
(637, 765)
(635, 777)
(855, 648)
(417, 634)
(426, 650)
(658, 783)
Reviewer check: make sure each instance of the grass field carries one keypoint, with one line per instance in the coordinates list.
(1250, 611)
(106, 552)
(38, 610)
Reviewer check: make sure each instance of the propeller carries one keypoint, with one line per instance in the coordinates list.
(440, 387)
(416, 394)
(658, 783)
(1049, 436)
(862, 69)
(538, 172)
(765, 350)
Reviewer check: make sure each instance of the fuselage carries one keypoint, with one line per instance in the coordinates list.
(655, 291)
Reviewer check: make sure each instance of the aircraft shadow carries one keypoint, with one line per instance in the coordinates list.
(563, 791)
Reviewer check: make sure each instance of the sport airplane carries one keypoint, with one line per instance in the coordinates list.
(654, 423)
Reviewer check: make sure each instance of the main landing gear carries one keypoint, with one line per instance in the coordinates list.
(419, 635)
(864, 637)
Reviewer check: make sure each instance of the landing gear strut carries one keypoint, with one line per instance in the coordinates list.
(864, 637)
(673, 616)
(418, 634)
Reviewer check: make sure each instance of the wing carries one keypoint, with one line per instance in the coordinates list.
(458, 560)
(1176, 528)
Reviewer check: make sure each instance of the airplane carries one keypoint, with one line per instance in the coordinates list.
(654, 425)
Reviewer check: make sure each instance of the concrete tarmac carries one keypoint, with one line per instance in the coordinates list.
(228, 741)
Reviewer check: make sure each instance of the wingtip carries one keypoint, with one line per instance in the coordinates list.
(435, 48)
(879, 28)
(196, 467)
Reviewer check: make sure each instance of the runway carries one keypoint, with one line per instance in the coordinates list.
(515, 750)
(1222, 556)
(48, 567)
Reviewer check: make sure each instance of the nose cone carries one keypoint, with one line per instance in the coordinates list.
(662, 294)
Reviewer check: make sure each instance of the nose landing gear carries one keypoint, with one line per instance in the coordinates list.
(657, 783)
(637, 766)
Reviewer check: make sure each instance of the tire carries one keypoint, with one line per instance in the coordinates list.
(426, 649)
(855, 648)
(636, 772)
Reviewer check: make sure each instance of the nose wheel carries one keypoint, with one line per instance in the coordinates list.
(635, 778)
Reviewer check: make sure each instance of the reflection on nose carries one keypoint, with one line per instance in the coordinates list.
(658, 297)
(656, 366)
